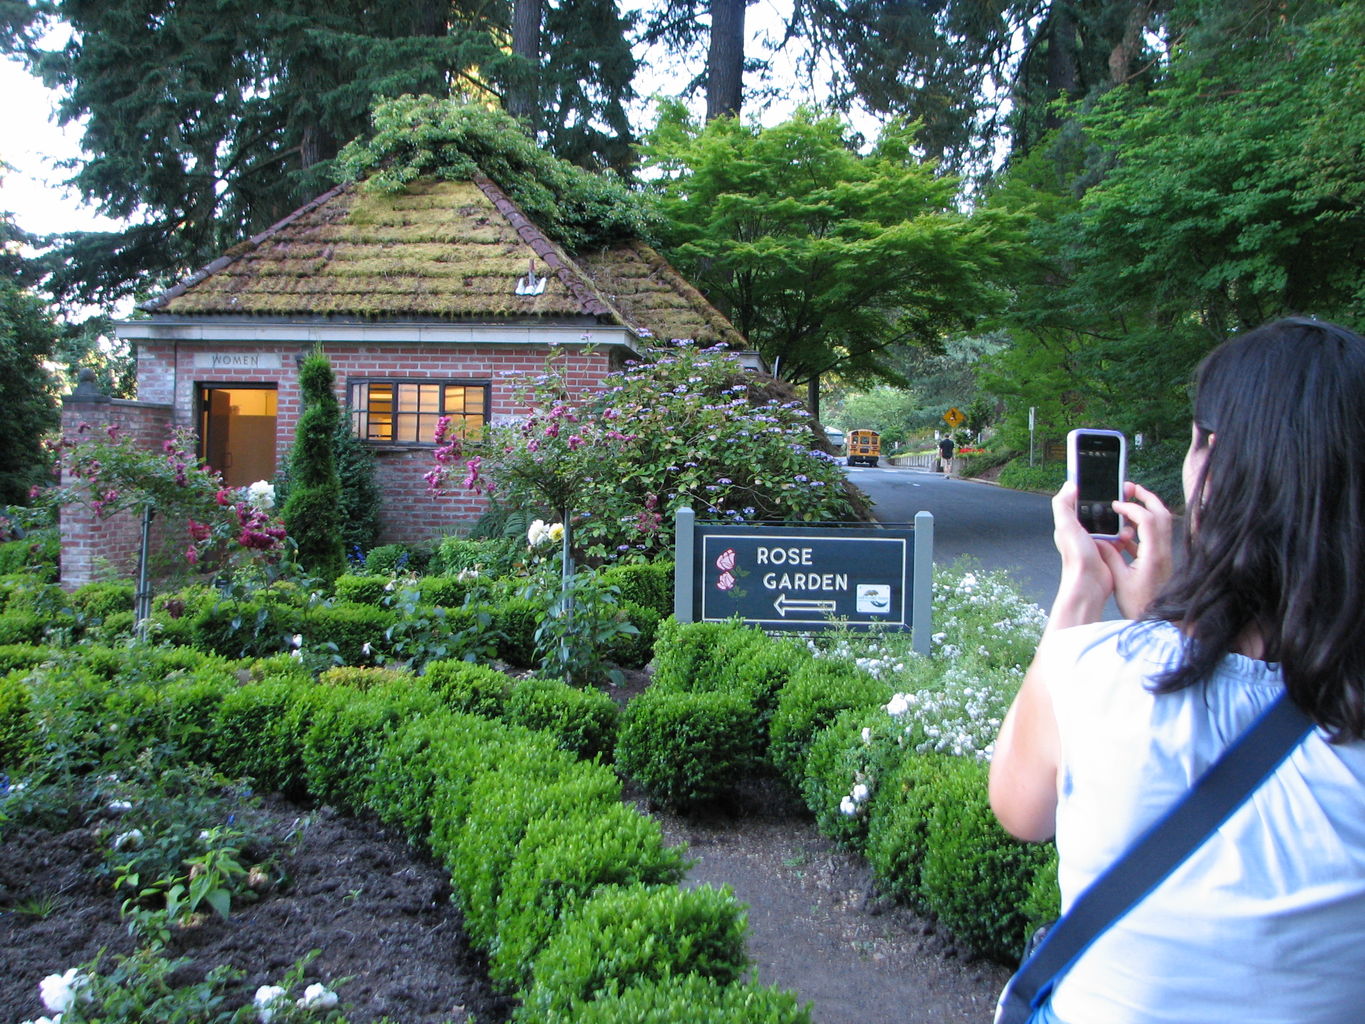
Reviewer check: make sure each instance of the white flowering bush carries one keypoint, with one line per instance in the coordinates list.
(874, 776)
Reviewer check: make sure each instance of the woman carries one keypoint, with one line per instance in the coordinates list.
(1265, 922)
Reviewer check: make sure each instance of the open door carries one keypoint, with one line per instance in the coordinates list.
(237, 432)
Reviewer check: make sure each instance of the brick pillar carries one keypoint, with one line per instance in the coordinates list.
(92, 546)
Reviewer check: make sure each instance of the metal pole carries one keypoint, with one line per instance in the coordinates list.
(684, 548)
(142, 602)
(922, 584)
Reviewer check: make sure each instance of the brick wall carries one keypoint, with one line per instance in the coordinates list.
(167, 373)
(92, 546)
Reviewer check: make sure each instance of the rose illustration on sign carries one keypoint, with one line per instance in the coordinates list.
(725, 563)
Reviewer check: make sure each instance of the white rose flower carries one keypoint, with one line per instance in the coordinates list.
(537, 533)
(267, 996)
(556, 532)
(262, 495)
(848, 807)
(860, 793)
(130, 840)
(59, 991)
(318, 997)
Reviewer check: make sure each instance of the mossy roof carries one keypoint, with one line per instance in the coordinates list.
(448, 250)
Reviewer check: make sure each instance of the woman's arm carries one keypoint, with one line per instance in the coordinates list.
(1023, 778)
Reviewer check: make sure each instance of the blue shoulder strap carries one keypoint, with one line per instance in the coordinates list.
(1210, 802)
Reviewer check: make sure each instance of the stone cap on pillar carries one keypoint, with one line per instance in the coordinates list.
(86, 388)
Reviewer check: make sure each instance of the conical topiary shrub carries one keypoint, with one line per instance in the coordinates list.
(312, 513)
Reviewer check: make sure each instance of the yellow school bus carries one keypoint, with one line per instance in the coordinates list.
(864, 446)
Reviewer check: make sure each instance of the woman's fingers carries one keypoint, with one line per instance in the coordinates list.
(1137, 582)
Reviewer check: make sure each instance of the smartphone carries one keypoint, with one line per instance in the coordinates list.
(1097, 462)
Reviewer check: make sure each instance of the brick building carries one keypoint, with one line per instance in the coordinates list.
(427, 302)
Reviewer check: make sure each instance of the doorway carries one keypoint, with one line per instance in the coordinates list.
(237, 431)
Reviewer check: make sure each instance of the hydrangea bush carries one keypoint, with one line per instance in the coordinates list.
(688, 428)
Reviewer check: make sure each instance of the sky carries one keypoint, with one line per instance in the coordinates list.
(32, 143)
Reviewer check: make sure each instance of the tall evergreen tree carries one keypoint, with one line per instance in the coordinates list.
(312, 512)
(28, 336)
(207, 120)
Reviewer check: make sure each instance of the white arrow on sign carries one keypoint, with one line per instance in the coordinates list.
(783, 603)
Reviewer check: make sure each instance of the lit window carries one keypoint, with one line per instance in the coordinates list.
(406, 412)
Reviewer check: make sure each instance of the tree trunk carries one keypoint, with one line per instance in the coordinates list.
(725, 59)
(523, 99)
(1122, 55)
(1061, 58)
(813, 395)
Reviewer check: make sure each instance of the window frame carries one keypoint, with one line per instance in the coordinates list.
(362, 419)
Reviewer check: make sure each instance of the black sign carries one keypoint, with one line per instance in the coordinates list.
(800, 577)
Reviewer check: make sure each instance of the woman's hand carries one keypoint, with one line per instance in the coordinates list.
(1147, 542)
(1086, 580)
(1132, 568)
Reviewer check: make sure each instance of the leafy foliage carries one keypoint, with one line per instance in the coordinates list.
(822, 258)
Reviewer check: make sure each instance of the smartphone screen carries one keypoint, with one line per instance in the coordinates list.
(1096, 462)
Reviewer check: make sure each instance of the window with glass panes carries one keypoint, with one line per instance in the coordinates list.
(407, 411)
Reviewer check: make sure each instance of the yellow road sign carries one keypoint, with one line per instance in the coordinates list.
(954, 418)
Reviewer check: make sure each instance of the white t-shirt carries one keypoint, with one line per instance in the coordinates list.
(1263, 924)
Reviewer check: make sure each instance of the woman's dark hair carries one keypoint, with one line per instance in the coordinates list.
(1276, 523)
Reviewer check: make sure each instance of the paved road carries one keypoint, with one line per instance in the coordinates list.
(997, 527)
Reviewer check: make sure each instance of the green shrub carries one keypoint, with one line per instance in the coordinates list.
(516, 621)
(687, 748)
(367, 589)
(633, 650)
(486, 747)
(974, 873)
(250, 734)
(437, 749)
(100, 600)
(393, 559)
(349, 628)
(464, 686)
(843, 769)
(116, 627)
(446, 591)
(645, 583)
(582, 721)
(24, 656)
(364, 677)
(16, 721)
(760, 670)
(502, 806)
(1046, 477)
(491, 558)
(253, 628)
(38, 554)
(347, 730)
(898, 830)
(682, 999)
(558, 864)
(810, 701)
(20, 627)
(1042, 904)
(629, 935)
